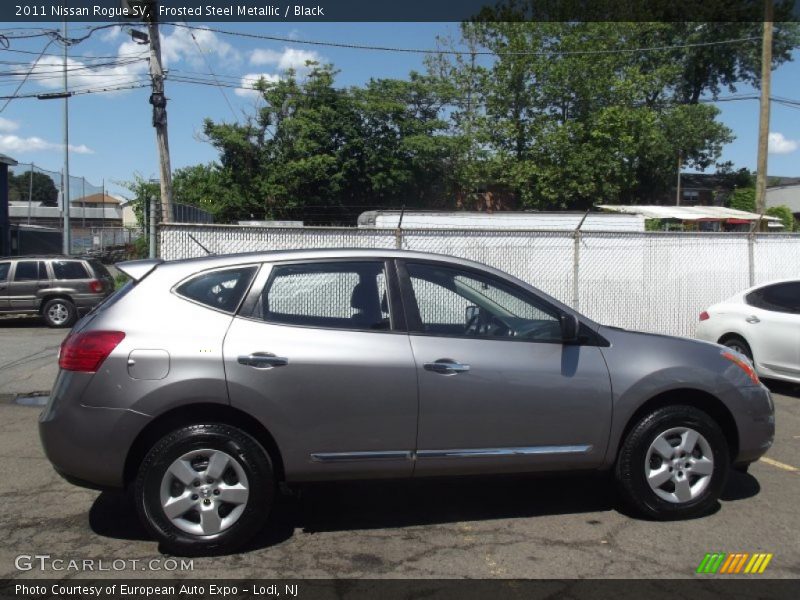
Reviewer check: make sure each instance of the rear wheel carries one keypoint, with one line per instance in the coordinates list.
(673, 464)
(59, 312)
(205, 489)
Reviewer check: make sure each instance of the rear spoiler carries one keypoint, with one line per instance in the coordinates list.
(138, 269)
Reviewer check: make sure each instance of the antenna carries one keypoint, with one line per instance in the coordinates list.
(194, 239)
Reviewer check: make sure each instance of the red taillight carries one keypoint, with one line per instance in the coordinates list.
(85, 352)
(741, 362)
(704, 316)
(96, 286)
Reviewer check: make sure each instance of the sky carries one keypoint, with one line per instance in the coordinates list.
(111, 136)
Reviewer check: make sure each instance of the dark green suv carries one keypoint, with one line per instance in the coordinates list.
(59, 288)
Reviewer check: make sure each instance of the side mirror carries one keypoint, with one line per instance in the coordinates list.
(471, 313)
(569, 328)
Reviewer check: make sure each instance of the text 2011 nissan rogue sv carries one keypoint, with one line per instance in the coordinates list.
(205, 382)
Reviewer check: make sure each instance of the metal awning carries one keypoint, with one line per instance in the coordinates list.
(687, 213)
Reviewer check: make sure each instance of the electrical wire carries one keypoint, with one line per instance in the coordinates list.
(211, 71)
(24, 79)
(79, 92)
(289, 40)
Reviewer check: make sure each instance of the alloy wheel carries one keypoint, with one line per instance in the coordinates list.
(204, 492)
(58, 313)
(679, 465)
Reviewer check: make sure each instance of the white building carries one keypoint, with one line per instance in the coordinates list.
(532, 221)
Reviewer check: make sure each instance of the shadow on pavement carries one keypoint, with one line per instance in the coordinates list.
(15, 322)
(394, 504)
(740, 486)
(783, 387)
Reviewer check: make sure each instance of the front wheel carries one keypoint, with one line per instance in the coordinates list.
(205, 489)
(673, 464)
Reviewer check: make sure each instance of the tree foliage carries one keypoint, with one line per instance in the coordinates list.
(784, 213)
(564, 114)
(35, 186)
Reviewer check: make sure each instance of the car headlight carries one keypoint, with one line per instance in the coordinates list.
(741, 361)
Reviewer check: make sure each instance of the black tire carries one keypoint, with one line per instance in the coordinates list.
(630, 468)
(251, 458)
(54, 308)
(735, 342)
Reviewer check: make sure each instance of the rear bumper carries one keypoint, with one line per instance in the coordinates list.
(87, 446)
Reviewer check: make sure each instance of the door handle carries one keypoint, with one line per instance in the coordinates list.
(753, 319)
(446, 366)
(262, 360)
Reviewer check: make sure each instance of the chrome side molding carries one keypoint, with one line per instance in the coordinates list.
(351, 456)
(522, 451)
(455, 453)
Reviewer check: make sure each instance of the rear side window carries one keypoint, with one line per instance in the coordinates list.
(338, 295)
(780, 297)
(4, 269)
(222, 289)
(100, 269)
(30, 270)
(69, 269)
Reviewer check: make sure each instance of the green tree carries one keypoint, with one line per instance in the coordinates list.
(143, 190)
(38, 186)
(324, 154)
(784, 213)
(743, 199)
(576, 113)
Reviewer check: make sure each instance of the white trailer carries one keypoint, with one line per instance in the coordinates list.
(533, 221)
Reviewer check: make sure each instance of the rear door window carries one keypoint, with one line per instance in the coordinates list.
(4, 269)
(335, 295)
(222, 290)
(69, 269)
(30, 270)
(780, 297)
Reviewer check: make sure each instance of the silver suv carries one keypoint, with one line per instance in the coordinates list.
(59, 288)
(204, 383)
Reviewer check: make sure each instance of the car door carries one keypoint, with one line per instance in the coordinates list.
(24, 285)
(498, 390)
(5, 272)
(319, 354)
(773, 327)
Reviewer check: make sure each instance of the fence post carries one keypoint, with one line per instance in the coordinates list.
(398, 233)
(751, 266)
(576, 258)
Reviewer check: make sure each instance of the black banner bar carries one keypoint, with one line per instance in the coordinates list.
(705, 588)
(110, 11)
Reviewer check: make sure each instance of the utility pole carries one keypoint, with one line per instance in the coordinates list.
(763, 117)
(67, 238)
(30, 194)
(159, 101)
(678, 192)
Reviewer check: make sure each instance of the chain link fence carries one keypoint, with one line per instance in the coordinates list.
(649, 281)
(31, 184)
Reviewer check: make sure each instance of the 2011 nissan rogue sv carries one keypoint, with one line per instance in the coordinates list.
(203, 383)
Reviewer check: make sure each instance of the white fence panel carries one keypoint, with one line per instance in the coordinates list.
(652, 281)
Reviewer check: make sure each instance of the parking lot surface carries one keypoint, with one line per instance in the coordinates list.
(524, 527)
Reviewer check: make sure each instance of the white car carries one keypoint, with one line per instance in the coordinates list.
(763, 323)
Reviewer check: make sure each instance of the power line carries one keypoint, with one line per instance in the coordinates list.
(28, 74)
(289, 40)
(81, 56)
(78, 92)
(208, 64)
